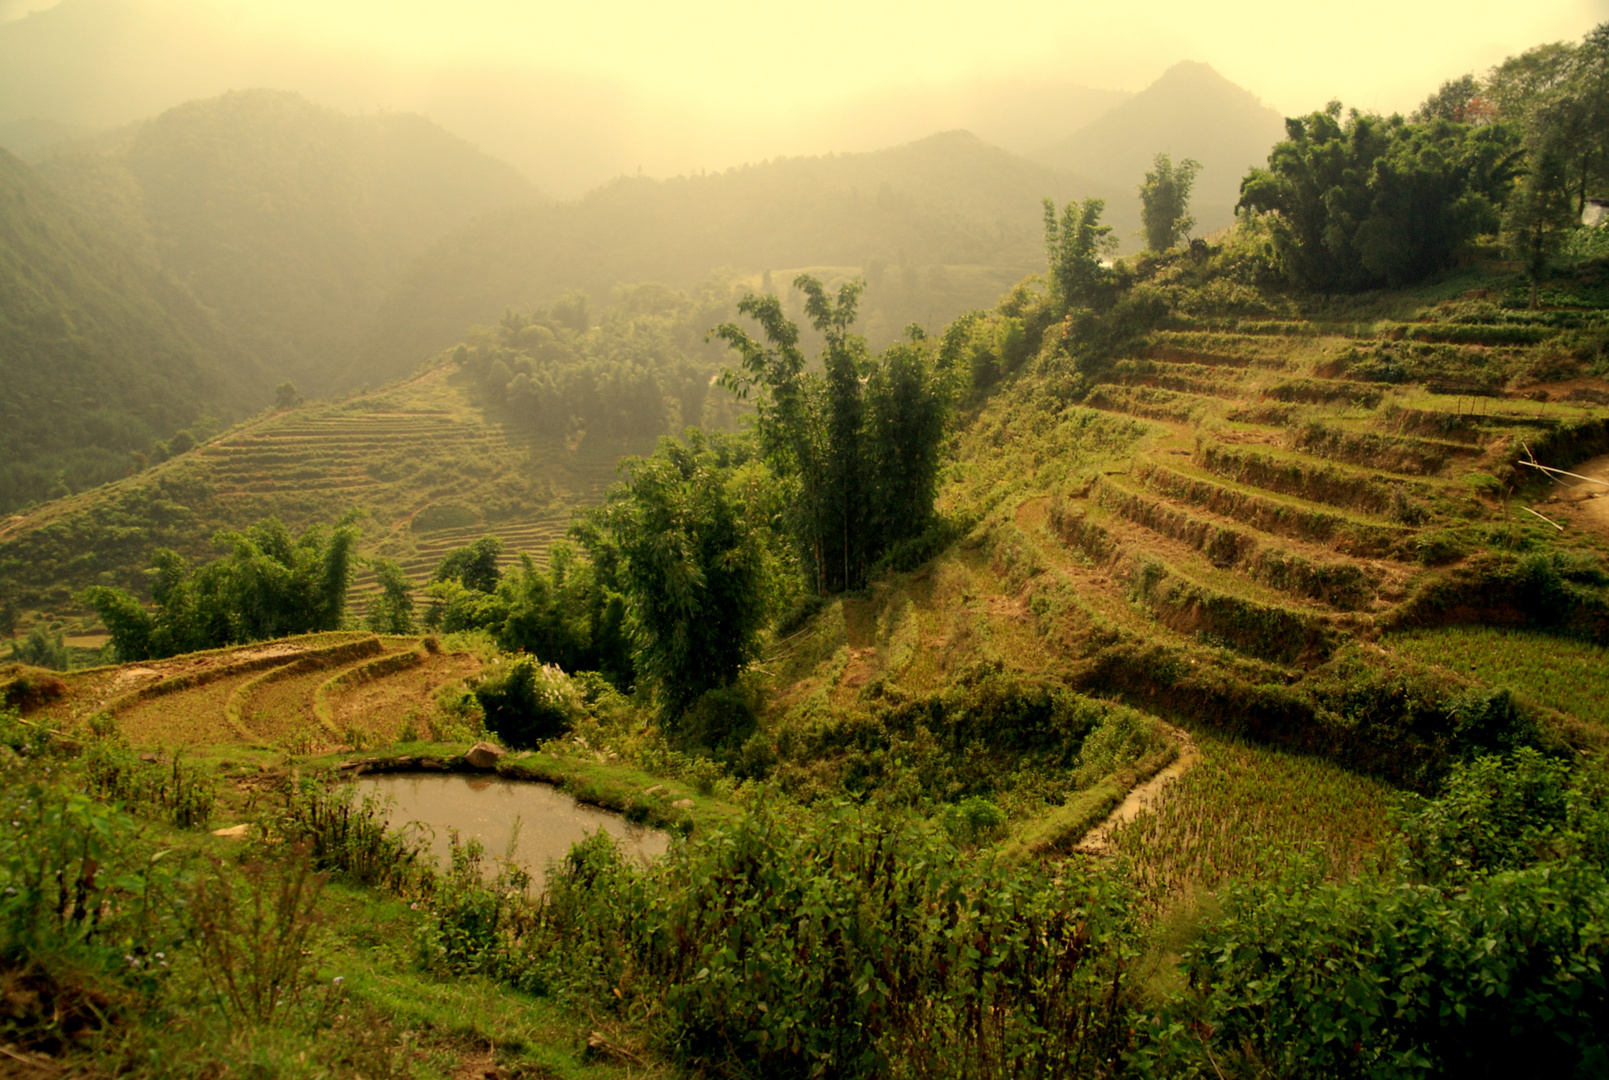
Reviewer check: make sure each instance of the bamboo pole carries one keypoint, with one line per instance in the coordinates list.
(1550, 521)
(1562, 472)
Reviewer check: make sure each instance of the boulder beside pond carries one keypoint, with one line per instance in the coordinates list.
(483, 755)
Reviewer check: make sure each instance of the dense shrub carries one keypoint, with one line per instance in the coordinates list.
(1382, 978)
(527, 702)
(1486, 949)
(851, 945)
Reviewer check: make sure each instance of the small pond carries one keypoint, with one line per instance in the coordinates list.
(485, 808)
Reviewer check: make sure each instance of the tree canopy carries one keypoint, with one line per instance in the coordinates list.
(269, 585)
(1165, 202)
(856, 444)
(1369, 201)
(689, 531)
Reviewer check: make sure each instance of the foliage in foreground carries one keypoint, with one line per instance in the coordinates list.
(1487, 947)
(845, 944)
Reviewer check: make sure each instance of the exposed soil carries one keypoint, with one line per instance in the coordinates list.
(1580, 503)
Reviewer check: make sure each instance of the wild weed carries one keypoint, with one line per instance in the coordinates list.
(181, 793)
(252, 932)
(350, 836)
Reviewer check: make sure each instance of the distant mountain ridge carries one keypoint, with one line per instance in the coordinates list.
(101, 63)
(1191, 111)
(902, 217)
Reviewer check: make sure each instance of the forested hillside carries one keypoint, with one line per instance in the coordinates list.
(504, 435)
(289, 221)
(935, 227)
(100, 354)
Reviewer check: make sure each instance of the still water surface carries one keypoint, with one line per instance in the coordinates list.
(486, 808)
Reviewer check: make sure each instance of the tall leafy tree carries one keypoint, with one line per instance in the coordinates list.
(1558, 95)
(475, 566)
(1075, 244)
(689, 529)
(1370, 201)
(1165, 202)
(1539, 214)
(391, 612)
(855, 445)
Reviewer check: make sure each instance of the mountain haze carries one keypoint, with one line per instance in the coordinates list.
(936, 226)
(290, 221)
(100, 354)
(95, 64)
(1191, 111)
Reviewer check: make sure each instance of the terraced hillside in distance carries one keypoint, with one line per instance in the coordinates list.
(1302, 544)
(427, 467)
(306, 695)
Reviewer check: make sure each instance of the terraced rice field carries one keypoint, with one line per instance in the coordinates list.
(426, 468)
(312, 694)
(1278, 504)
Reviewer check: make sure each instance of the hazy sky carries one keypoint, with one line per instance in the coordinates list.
(578, 92)
(1375, 53)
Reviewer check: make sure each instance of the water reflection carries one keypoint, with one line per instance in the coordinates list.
(486, 808)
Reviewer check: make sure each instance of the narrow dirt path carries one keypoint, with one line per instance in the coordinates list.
(1143, 796)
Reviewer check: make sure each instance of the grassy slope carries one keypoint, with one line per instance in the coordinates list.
(427, 465)
(1225, 554)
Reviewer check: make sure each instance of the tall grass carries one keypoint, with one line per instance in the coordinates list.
(1243, 806)
(1567, 675)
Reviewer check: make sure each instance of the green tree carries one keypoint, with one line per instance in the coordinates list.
(1459, 100)
(1539, 215)
(1559, 95)
(42, 649)
(1165, 202)
(286, 396)
(475, 566)
(1075, 245)
(391, 612)
(550, 614)
(689, 525)
(270, 585)
(1370, 201)
(855, 447)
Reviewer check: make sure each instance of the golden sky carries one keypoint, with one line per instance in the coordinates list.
(1379, 54)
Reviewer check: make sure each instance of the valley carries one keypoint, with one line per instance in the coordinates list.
(963, 637)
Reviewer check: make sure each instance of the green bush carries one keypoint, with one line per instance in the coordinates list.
(1498, 814)
(1381, 978)
(42, 649)
(721, 719)
(527, 702)
(848, 944)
